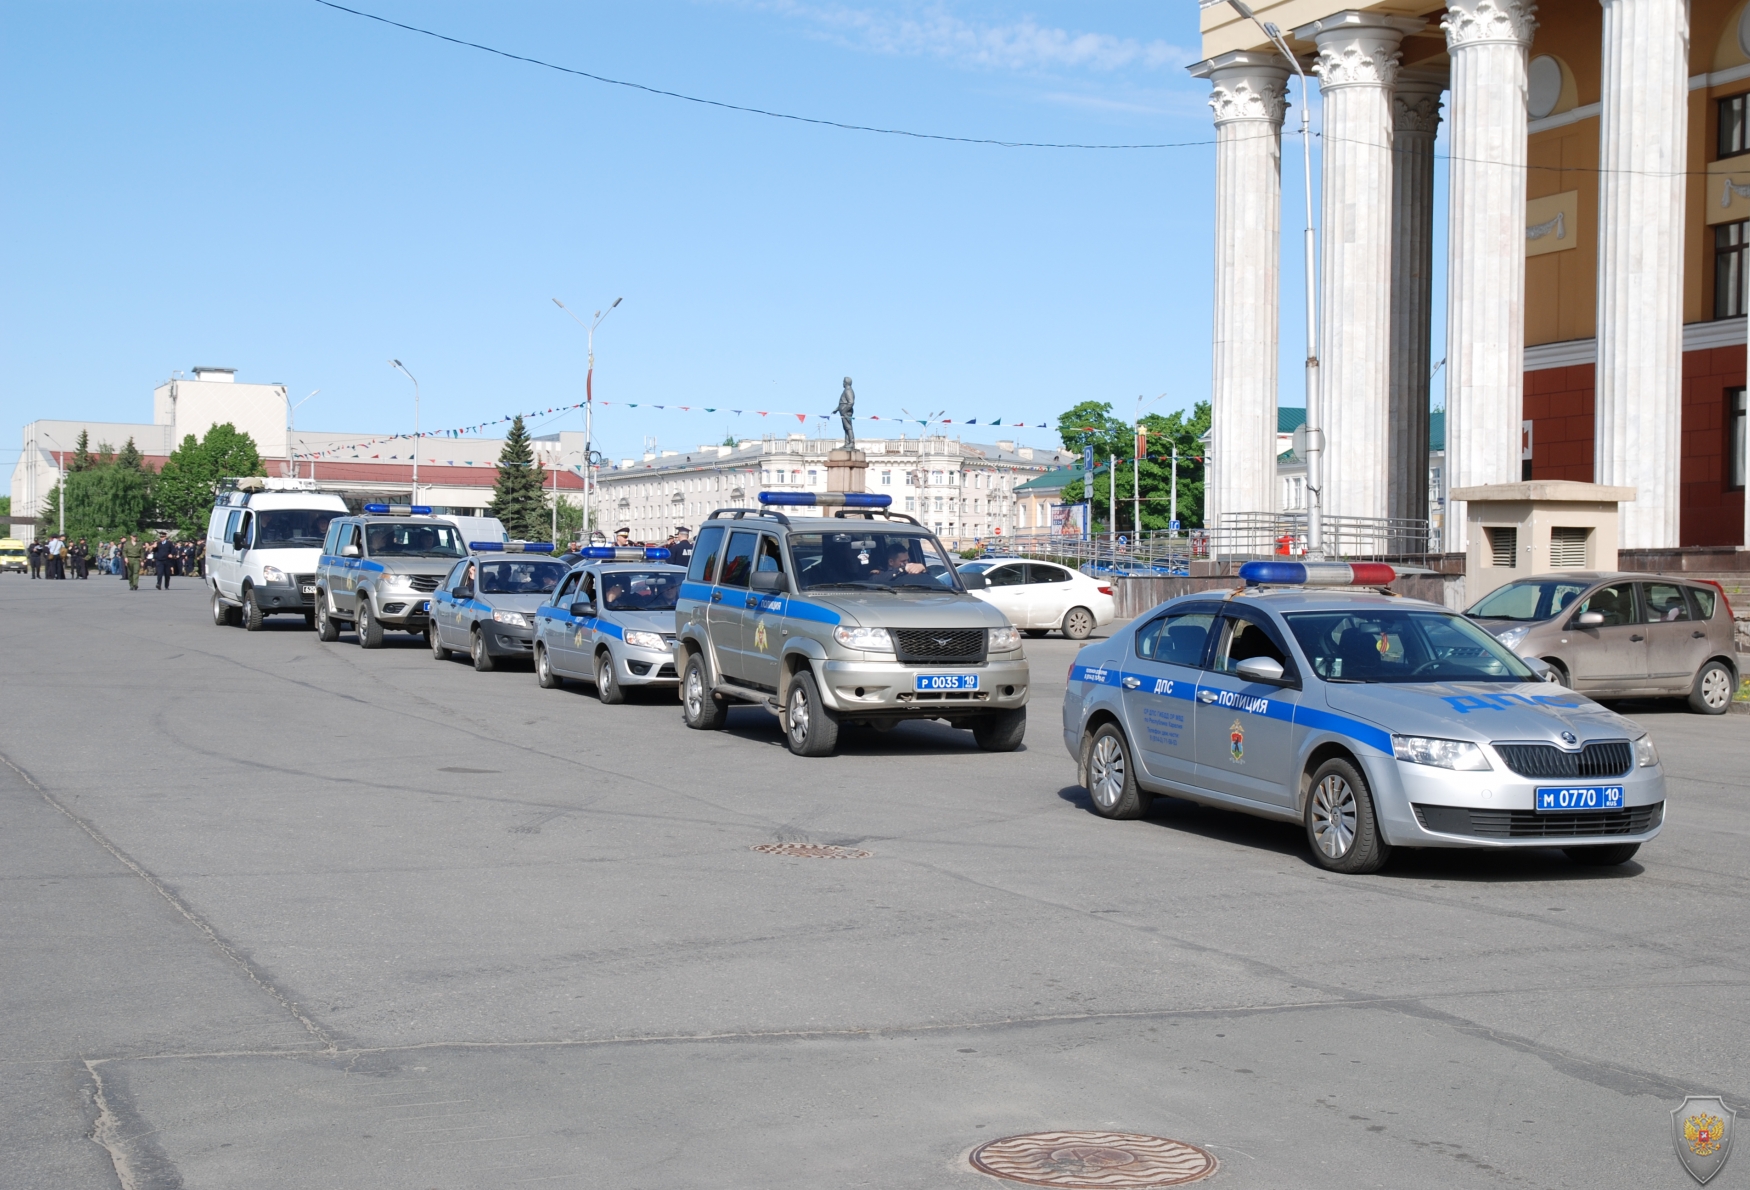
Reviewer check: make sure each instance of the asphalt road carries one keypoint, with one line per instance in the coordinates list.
(287, 914)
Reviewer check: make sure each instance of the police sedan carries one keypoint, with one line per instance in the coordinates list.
(610, 622)
(1375, 721)
(486, 605)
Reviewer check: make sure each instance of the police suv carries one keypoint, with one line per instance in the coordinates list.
(856, 617)
(377, 571)
(1374, 720)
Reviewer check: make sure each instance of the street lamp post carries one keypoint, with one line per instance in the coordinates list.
(291, 423)
(402, 368)
(588, 401)
(1136, 470)
(1315, 439)
(61, 483)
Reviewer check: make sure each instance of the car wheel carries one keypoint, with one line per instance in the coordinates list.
(700, 709)
(1560, 673)
(607, 687)
(477, 651)
(326, 629)
(1001, 732)
(1606, 856)
(252, 617)
(310, 619)
(810, 729)
(1340, 823)
(365, 626)
(1108, 775)
(545, 678)
(1078, 623)
(221, 610)
(438, 651)
(1712, 693)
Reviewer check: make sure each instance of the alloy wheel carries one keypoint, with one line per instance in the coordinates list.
(1106, 772)
(1716, 688)
(798, 716)
(695, 694)
(1334, 816)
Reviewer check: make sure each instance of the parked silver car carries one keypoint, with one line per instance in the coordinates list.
(486, 606)
(1614, 635)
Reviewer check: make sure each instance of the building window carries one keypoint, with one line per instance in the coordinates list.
(1737, 444)
(1733, 138)
(909, 502)
(887, 479)
(1730, 242)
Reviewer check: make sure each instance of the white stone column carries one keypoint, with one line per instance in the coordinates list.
(1485, 294)
(1358, 63)
(1642, 134)
(1415, 120)
(1248, 96)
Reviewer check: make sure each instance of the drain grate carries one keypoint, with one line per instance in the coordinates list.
(1093, 1159)
(811, 851)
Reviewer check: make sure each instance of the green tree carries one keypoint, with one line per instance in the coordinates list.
(183, 491)
(103, 503)
(130, 456)
(517, 499)
(1092, 423)
(82, 460)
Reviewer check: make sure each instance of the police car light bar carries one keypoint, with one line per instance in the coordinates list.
(399, 509)
(828, 499)
(627, 553)
(511, 547)
(1317, 574)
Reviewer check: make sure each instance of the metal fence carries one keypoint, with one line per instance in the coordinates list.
(1238, 537)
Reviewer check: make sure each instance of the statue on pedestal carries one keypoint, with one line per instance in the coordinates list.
(847, 404)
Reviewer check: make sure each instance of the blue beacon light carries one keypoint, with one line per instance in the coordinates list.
(1317, 574)
(399, 509)
(828, 499)
(511, 547)
(626, 553)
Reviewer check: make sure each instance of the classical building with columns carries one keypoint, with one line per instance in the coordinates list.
(1598, 250)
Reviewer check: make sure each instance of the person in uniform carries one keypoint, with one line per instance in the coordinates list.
(132, 555)
(622, 537)
(161, 550)
(56, 566)
(680, 546)
(82, 559)
(36, 559)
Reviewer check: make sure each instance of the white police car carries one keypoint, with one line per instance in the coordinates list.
(611, 622)
(1376, 721)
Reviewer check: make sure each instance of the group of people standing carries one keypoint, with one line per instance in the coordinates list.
(679, 544)
(58, 558)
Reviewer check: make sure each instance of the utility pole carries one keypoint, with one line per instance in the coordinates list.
(1112, 503)
(397, 364)
(588, 404)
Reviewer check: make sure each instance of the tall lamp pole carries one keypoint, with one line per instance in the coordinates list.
(61, 483)
(402, 368)
(291, 423)
(1315, 438)
(588, 401)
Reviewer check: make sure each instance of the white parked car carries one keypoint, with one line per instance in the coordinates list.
(1041, 596)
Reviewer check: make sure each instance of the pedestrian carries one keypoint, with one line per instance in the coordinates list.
(161, 554)
(200, 557)
(82, 559)
(622, 537)
(132, 554)
(36, 553)
(680, 546)
(57, 563)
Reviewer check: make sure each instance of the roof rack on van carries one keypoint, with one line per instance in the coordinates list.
(736, 514)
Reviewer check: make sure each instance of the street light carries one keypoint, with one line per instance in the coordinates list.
(588, 400)
(402, 368)
(291, 422)
(61, 483)
(1315, 439)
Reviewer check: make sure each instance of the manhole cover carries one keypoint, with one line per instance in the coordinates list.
(1089, 1159)
(811, 851)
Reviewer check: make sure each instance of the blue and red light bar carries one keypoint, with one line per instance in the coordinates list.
(626, 553)
(399, 509)
(828, 499)
(1317, 574)
(511, 547)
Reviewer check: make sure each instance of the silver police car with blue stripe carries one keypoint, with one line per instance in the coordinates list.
(1374, 720)
(486, 605)
(611, 622)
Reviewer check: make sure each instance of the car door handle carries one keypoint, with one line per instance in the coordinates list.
(1132, 683)
(752, 601)
(1207, 696)
(1637, 636)
(1698, 635)
(716, 597)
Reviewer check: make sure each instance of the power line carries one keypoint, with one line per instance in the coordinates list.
(752, 111)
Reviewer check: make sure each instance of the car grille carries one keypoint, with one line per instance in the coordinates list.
(952, 646)
(1612, 758)
(303, 580)
(1528, 824)
(425, 582)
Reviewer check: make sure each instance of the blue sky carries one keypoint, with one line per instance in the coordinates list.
(301, 194)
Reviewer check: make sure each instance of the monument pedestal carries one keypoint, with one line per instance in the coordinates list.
(846, 470)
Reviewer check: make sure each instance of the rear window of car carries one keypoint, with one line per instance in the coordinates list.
(1704, 602)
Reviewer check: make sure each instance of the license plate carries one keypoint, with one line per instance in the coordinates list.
(307, 589)
(426, 607)
(1579, 797)
(947, 682)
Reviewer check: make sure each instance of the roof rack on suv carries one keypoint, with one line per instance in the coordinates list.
(870, 514)
(736, 514)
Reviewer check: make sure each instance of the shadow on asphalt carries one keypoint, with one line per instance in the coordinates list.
(916, 738)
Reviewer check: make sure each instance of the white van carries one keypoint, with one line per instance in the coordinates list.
(263, 542)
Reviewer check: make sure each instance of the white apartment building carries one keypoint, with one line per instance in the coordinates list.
(961, 490)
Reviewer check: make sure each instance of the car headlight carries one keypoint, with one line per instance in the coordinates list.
(1513, 636)
(273, 574)
(398, 582)
(1002, 640)
(1646, 756)
(872, 639)
(1445, 754)
(514, 619)
(646, 640)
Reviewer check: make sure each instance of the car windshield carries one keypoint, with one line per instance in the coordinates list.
(413, 539)
(1391, 645)
(520, 578)
(292, 528)
(878, 559)
(1530, 600)
(976, 567)
(640, 590)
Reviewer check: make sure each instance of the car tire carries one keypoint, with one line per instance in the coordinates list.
(545, 678)
(478, 653)
(222, 617)
(810, 727)
(607, 686)
(439, 651)
(251, 613)
(1001, 732)
(1562, 677)
(310, 618)
(1607, 855)
(700, 709)
(1035, 633)
(1341, 827)
(365, 626)
(1078, 623)
(1109, 776)
(327, 630)
(1712, 692)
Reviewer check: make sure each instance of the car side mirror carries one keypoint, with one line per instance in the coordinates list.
(974, 581)
(240, 539)
(1259, 669)
(769, 581)
(1589, 619)
(583, 607)
(1543, 669)
(349, 551)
